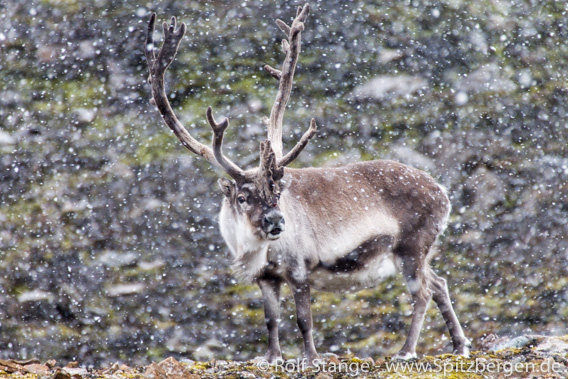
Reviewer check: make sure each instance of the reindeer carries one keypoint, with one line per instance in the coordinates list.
(333, 229)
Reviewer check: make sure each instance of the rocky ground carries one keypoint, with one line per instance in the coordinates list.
(522, 357)
(109, 248)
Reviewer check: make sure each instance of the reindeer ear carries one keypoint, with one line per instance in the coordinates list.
(285, 182)
(227, 186)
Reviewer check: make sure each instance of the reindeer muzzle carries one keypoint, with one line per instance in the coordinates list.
(273, 224)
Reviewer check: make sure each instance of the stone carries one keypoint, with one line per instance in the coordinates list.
(34, 296)
(168, 368)
(111, 258)
(125, 289)
(10, 366)
(387, 87)
(515, 343)
(84, 116)
(36, 368)
(76, 371)
(51, 363)
(389, 55)
(61, 374)
(6, 139)
(487, 78)
(552, 346)
(406, 155)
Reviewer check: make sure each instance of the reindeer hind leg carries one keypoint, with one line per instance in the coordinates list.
(441, 296)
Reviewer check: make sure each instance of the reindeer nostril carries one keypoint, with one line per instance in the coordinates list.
(273, 222)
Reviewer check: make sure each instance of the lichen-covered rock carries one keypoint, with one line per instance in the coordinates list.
(389, 87)
(487, 78)
(169, 368)
(527, 361)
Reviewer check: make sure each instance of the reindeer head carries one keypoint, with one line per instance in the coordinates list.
(253, 197)
(252, 194)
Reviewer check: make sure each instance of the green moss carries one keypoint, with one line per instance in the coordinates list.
(70, 6)
(255, 316)
(199, 366)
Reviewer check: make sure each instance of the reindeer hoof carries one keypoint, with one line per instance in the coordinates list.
(463, 349)
(328, 356)
(402, 356)
(267, 360)
(314, 360)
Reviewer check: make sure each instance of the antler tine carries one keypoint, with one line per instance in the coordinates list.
(284, 27)
(285, 77)
(302, 143)
(218, 130)
(276, 74)
(149, 48)
(172, 40)
(158, 66)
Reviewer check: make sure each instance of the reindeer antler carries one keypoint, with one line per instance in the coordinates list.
(218, 130)
(158, 66)
(272, 161)
(293, 154)
(269, 174)
(291, 48)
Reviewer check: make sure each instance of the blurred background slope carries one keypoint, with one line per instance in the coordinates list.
(109, 248)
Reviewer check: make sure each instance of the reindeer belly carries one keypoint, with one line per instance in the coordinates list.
(363, 267)
(325, 278)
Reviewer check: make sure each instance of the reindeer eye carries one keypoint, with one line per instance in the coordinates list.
(241, 199)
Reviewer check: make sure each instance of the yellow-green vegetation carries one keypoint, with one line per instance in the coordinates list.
(526, 362)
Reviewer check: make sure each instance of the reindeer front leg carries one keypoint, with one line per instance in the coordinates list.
(271, 296)
(304, 314)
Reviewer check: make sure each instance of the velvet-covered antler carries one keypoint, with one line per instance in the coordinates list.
(158, 66)
(285, 77)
